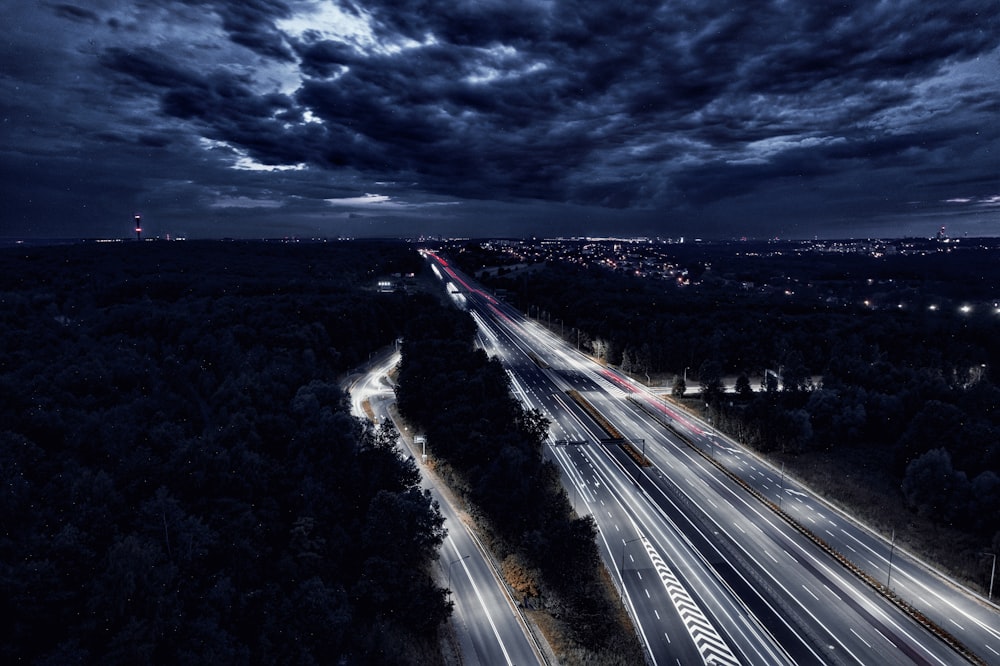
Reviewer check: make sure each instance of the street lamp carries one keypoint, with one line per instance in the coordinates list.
(450, 565)
(643, 442)
(781, 487)
(621, 569)
(992, 573)
(892, 548)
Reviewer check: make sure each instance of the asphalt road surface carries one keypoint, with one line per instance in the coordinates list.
(710, 572)
(487, 625)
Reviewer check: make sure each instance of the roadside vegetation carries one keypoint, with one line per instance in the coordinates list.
(890, 410)
(490, 449)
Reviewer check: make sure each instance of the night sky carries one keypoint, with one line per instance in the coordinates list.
(252, 118)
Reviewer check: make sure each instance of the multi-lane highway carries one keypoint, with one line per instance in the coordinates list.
(710, 571)
(487, 625)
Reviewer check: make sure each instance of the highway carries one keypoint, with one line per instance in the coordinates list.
(711, 572)
(487, 626)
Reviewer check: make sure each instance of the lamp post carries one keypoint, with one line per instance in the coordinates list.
(450, 565)
(643, 442)
(781, 486)
(892, 548)
(993, 572)
(621, 568)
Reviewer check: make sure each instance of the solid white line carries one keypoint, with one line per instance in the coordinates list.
(859, 637)
(832, 592)
(503, 648)
(885, 637)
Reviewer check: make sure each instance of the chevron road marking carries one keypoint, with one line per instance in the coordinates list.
(710, 644)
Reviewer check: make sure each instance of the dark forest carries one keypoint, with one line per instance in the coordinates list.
(182, 481)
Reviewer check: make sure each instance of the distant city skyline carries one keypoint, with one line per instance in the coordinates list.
(222, 118)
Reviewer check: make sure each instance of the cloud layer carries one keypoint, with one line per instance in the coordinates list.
(308, 117)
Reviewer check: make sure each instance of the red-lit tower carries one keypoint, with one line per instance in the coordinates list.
(138, 227)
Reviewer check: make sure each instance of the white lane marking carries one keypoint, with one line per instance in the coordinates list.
(713, 648)
(885, 637)
(503, 648)
(859, 637)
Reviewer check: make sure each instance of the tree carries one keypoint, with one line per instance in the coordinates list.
(628, 362)
(679, 388)
(770, 381)
(600, 348)
(937, 424)
(743, 388)
(710, 381)
(934, 488)
(794, 374)
(985, 502)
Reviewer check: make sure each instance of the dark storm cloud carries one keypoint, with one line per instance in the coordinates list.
(663, 116)
(250, 23)
(75, 13)
(613, 76)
